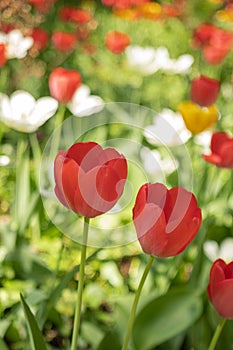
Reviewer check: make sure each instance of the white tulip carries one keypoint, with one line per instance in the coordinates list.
(168, 129)
(149, 60)
(83, 103)
(16, 44)
(23, 113)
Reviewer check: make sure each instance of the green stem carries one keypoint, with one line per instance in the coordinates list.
(36, 155)
(217, 333)
(135, 304)
(58, 119)
(78, 306)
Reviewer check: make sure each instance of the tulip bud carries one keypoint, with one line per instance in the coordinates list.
(221, 150)
(63, 83)
(204, 90)
(63, 41)
(116, 42)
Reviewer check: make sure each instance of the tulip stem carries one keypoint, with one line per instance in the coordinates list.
(78, 306)
(135, 304)
(217, 333)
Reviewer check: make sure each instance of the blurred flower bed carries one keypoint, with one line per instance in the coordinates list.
(170, 61)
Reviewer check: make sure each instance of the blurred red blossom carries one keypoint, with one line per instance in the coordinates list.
(64, 41)
(40, 37)
(204, 90)
(42, 5)
(123, 4)
(221, 147)
(117, 42)
(76, 15)
(3, 57)
(63, 83)
(215, 42)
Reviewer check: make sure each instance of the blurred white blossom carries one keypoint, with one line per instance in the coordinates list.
(149, 60)
(168, 129)
(83, 103)
(23, 113)
(224, 251)
(16, 44)
(4, 160)
(156, 166)
(203, 139)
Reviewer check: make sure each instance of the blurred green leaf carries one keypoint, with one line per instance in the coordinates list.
(165, 317)
(36, 337)
(3, 345)
(110, 341)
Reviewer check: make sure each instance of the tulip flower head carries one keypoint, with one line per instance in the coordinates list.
(23, 113)
(166, 221)
(40, 37)
(63, 83)
(220, 288)
(204, 90)
(221, 150)
(197, 118)
(116, 42)
(89, 180)
(16, 44)
(63, 41)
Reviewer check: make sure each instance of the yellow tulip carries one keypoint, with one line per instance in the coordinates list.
(150, 10)
(197, 118)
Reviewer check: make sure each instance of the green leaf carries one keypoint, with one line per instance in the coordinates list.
(36, 337)
(3, 345)
(110, 341)
(165, 317)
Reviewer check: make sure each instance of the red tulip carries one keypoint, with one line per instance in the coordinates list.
(76, 15)
(166, 221)
(204, 90)
(40, 37)
(63, 41)
(220, 288)
(116, 42)
(63, 83)
(216, 42)
(222, 150)
(89, 180)
(3, 57)
(203, 34)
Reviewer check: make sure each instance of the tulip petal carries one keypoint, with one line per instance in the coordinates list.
(150, 225)
(157, 193)
(226, 153)
(216, 275)
(212, 158)
(183, 219)
(217, 140)
(85, 154)
(96, 192)
(119, 166)
(58, 164)
(22, 104)
(222, 298)
(140, 201)
(44, 109)
(66, 173)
